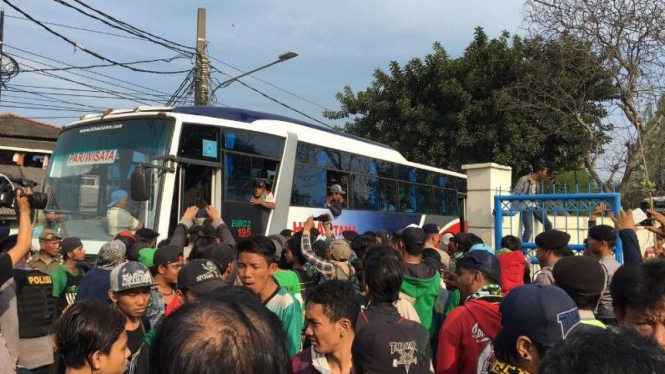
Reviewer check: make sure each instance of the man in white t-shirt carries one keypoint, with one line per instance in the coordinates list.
(262, 197)
(118, 218)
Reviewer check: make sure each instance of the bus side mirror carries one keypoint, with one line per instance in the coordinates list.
(140, 189)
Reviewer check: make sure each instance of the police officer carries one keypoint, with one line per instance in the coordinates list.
(37, 312)
(552, 245)
(49, 249)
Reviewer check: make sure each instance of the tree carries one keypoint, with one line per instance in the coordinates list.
(627, 36)
(448, 112)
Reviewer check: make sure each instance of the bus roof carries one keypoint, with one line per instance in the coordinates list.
(249, 116)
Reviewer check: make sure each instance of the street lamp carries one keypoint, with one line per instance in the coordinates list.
(281, 58)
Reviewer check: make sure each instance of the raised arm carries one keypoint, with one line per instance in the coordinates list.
(187, 221)
(221, 227)
(24, 239)
(324, 267)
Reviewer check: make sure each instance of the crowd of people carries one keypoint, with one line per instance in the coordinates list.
(411, 301)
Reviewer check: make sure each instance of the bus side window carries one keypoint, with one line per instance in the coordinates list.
(309, 186)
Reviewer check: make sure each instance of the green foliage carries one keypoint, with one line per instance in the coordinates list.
(480, 107)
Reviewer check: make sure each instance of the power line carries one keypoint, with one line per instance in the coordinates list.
(79, 28)
(53, 109)
(11, 89)
(108, 65)
(59, 100)
(73, 89)
(90, 52)
(132, 27)
(275, 100)
(269, 84)
(126, 27)
(91, 72)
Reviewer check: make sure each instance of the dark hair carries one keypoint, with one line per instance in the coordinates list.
(338, 299)
(370, 234)
(164, 243)
(604, 351)
(199, 245)
(639, 287)
(321, 248)
(361, 244)
(505, 348)
(511, 242)
(294, 246)
(564, 251)
(431, 253)
(259, 245)
(384, 274)
(467, 241)
(538, 166)
(130, 245)
(221, 334)
(286, 233)
(583, 302)
(85, 328)
(383, 250)
(207, 229)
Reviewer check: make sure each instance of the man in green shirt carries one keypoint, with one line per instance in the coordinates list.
(67, 276)
(256, 267)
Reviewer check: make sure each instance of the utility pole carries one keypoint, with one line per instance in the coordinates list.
(2, 38)
(202, 72)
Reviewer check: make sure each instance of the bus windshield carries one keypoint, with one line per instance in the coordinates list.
(90, 173)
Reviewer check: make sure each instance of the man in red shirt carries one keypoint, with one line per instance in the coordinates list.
(465, 340)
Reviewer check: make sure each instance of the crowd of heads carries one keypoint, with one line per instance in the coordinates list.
(372, 302)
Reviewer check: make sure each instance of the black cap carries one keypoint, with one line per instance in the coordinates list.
(545, 314)
(392, 347)
(551, 239)
(430, 228)
(260, 183)
(413, 237)
(200, 276)
(69, 244)
(146, 234)
(349, 235)
(603, 233)
(219, 253)
(580, 274)
(167, 255)
(482, 261)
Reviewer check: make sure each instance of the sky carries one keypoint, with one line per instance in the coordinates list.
(339, 43)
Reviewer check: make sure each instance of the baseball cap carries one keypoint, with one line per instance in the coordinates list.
(49, 235)
(413, 236)
(482, 247)
(130, 275)
(147, 256)
(391, 347)
(430, 228)
(200, 276)
(147, 234)
(544, 313)
(116, 196)
(166, 255)
(69, 244)
(336, 188)
(482, 261)
(127, 234)
(221, 254)
(552, 239)
(260, 184)
(603, 233)
(340, 250)
(581, 274)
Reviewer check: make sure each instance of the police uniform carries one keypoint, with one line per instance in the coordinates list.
(39, 264)
(546, 240)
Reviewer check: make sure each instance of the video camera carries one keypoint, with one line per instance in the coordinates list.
(37, 200)
(323, 218)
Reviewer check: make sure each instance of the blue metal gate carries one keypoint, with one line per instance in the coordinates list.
(573, 206)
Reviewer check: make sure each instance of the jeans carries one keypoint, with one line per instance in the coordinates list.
(527, 221)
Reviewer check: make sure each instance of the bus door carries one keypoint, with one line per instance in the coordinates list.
(196, 185)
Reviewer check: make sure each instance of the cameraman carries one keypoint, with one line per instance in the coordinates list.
(9, 259)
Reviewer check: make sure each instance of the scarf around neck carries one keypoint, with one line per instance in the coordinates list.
(499, 367)
(490, 292)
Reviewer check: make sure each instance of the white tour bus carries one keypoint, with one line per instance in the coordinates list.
(207, 155)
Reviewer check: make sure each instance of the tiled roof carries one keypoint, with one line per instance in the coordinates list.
(14, 126)
(17, 172)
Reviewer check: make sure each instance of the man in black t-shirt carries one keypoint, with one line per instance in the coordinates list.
(67, 276)
(130, 293)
